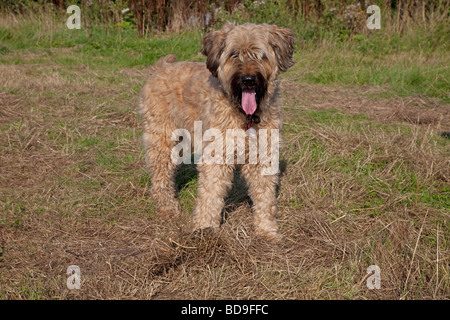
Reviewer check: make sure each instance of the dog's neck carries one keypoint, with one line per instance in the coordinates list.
(251, 119)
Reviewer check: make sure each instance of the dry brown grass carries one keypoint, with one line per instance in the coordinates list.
(73, 191)
(415, 109)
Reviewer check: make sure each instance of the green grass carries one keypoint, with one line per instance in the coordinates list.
(404, 65)
(371, 169)
(98, 48)
(401, 73)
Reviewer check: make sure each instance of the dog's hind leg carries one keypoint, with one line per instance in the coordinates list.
(213, 184)
(157, 149)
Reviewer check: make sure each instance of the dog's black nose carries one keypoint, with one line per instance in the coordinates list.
(248, 80)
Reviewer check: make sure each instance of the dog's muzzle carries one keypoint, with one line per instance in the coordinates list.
(248, 99)
(248, 82)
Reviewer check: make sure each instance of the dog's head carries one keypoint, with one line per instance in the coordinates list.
(247, 58)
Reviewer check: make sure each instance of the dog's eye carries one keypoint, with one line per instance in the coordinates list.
(234, 54)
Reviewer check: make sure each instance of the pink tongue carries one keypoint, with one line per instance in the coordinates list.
(248, 101)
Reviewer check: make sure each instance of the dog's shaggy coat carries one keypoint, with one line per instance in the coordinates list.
(239, 59)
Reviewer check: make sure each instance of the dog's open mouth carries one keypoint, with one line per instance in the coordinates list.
(248, 91)
(248, 101)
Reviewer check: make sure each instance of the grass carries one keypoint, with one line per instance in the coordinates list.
(378, 169)
(99, 48)
(414, 64)
(405, 71)
(364, 175)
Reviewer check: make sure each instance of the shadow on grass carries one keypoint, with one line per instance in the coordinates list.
(187, 176)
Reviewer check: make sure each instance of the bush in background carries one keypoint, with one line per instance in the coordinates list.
(311, 19)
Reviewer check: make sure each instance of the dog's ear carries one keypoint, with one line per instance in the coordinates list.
(282, 41)
(213, 44)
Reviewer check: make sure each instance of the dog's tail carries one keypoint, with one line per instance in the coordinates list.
(170, 58)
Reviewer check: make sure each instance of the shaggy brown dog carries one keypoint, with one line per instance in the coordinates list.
(235, 89)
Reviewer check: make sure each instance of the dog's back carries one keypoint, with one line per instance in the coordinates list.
(170, 58)
(175, 91)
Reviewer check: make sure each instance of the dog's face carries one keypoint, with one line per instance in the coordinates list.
(247, 58)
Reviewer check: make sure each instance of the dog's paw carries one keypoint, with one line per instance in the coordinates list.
(274, 237)
(202, 221)
(168, 213)
(268, 230)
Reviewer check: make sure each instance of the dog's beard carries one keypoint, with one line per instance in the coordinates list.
(248, 98)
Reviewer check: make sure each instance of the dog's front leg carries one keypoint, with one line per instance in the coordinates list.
(262, 190)
(213, 184)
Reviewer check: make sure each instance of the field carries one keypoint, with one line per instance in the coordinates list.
(365, 169)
